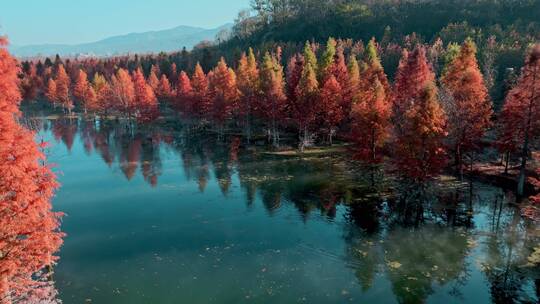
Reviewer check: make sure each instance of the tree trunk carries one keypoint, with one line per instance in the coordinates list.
(458, 160)
(507, 161)
(372, 169)
(275, 134)
(523, 167)
(525, 150)
(248, 130)
(303, 139)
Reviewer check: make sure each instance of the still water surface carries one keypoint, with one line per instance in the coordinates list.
(163, 215)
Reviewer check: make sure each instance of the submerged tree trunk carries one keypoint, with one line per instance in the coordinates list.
(506, 162)
(248, 124)
(525, 150)
(303, 139)
(275, 134)
(458, 161)
(523, 167)
(372, 169)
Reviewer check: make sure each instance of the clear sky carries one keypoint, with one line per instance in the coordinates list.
(75, 21)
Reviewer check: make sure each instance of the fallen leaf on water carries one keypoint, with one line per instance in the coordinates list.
(394, 264)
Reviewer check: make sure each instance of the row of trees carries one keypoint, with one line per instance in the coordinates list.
(29, 234)
(418, 119)
(129, 94)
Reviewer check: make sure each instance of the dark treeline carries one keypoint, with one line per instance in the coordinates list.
(512, 24)
(297, 20)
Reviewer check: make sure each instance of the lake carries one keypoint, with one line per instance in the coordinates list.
(172, 215)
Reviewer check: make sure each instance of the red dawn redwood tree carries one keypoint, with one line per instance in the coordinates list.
(294, 73)
(374, 69)
(153, 80)
(184, 96)
(413, 74)
(419, 151)
(304, 92)
(224, 93)
(249, 87)
(305, 106)
(29, 229)
(340, 71)
(80, 86)
(330, 111)
(370, 124)
(82, 90)
(273, 99)
(90, 98)
(63, 82)
(50, 92)
(509, 135)
(164, 90)
(145, 98)
(468, 108)
(123, 92)
(201, 99)
(522, 110)
(104, 94)
(400, 78)
(370, 110)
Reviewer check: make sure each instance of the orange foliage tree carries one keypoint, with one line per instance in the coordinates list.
(184, 95)
(419, 151)
(413, 74)
(50, 93)
(468, 108)
(201, 103)
(330, 106)
(371, 109)
(340, 71)
(306, 97)
(104, 94)
(153, 80)
(29, 229)
(123, 92)
(272, 102)
(83, 92)
(371, 123)
(145, 99)
(164, 90)
(521, 111)
(63, 82)
(224, 93)
(248, 85)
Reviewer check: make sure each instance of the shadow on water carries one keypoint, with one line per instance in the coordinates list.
(441, 242)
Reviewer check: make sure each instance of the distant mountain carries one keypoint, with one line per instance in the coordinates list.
(147, 42)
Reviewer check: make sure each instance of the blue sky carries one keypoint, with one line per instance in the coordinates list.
(75, 21)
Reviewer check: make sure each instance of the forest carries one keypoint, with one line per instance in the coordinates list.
(407, 95)
(426, 120)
